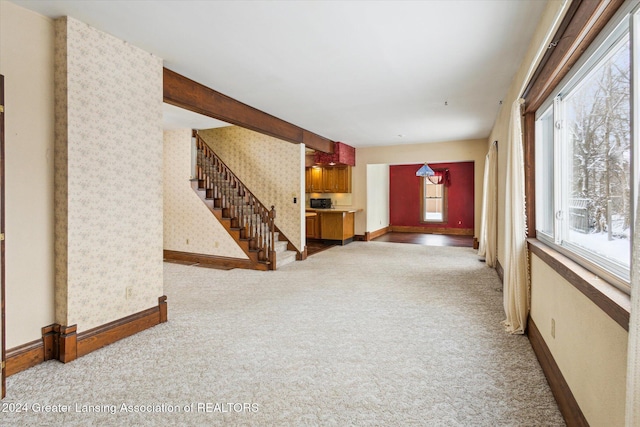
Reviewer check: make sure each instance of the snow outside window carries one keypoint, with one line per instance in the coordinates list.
(584, 162)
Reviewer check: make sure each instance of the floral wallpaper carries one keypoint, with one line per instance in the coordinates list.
(108, 195)
(271, 168)
(189, 226)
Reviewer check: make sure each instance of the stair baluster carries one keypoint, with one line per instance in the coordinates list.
(250, 218)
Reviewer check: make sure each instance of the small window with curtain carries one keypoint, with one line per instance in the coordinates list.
(434, 201)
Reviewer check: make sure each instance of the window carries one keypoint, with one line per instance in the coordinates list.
(434, 201)
(584, 160)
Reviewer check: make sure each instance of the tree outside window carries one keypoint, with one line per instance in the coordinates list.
(434, 202)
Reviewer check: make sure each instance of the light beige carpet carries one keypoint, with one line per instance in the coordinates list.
(369, 334)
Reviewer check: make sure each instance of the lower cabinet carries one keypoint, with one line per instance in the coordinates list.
(313, 227)
(331, 225)
(337, 226)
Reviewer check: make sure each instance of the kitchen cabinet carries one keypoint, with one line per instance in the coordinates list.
(331, 224)
(337, 225)
(313, 180)
(312, 223)
(328, 179)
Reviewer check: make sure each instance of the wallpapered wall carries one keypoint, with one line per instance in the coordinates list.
(271, 168)
(185, 216)
(108, 176)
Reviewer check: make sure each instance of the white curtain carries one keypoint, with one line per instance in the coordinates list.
(488, 225)
(633, 352)
(633, 364)
(516, 271)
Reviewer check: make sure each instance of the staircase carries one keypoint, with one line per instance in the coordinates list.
(247, 220)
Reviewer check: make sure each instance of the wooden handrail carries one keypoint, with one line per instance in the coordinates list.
(254, 220)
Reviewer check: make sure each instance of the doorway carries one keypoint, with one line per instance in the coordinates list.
(2, 330)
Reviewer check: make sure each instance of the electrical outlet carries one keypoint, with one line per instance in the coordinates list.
(216, 244)
(129, 292)
(187, 241)
(553, 328)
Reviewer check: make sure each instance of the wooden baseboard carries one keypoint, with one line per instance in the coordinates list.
(567, 404)
(213, 260)
(65, 344)
(432, 230)
(109, 333)
(24, 357)
(500, 271)
(370, 235)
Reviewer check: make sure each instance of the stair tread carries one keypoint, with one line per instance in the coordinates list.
(239, 211)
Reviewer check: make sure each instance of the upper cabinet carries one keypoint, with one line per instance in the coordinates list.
(328, 179)
(330, 172)
(313, 180)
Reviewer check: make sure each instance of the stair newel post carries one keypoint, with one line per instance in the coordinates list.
(272, 230)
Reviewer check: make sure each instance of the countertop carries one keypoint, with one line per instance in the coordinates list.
(336, 210)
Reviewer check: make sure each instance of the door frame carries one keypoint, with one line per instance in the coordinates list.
(2, 249)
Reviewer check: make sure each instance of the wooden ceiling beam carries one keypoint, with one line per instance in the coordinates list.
(185, 93)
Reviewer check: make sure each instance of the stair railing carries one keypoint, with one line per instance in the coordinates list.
(255, 222)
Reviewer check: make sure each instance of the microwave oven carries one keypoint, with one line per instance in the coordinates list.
(320, 203)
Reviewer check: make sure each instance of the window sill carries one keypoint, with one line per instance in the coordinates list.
(610, 299)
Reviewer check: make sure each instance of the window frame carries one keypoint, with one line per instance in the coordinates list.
(613, 271)
(423, 198)
(554, 73)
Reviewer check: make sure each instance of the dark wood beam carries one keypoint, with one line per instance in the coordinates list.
(193, 96)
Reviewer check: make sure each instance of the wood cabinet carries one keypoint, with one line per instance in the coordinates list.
(313, 180)
(328, 179)
(330, 224)
(337, 226)
(312, 226)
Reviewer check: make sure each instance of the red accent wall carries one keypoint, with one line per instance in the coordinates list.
(404, 195)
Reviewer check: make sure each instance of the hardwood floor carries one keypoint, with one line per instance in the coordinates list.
(426, 239)
(315, 246)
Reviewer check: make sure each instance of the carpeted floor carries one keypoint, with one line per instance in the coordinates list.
(367, 334)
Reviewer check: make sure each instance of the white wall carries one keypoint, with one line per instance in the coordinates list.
(26, 61)
(589, 347)
(451, 151)
(377, 212)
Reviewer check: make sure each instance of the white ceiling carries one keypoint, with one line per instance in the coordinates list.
(361, 72)
(178, 118)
